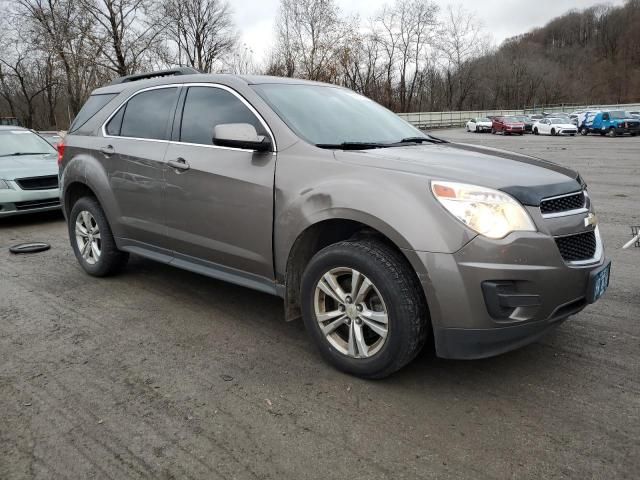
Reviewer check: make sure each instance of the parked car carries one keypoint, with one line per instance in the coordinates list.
(554, 126)
(612, 123)
(479, 125)
(507, 126)
(9, 121)
(28, 173)
(527, 121)
(53, 137)
(635, 114)
(274, 184)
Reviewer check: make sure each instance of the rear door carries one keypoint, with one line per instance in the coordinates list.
(135, 144)
(219, 206)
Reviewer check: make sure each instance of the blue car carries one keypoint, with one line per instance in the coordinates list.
(611, 123)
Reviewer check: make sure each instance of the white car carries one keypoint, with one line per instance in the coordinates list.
(554, 126)
(479, 125)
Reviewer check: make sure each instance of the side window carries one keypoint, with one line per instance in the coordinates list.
(206, 107)
(147, 114)
(115, 124)
(605, 116)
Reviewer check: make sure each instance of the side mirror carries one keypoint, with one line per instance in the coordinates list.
(240, 135)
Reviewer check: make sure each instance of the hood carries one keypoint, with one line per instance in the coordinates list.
(28, 166)
(528, 179)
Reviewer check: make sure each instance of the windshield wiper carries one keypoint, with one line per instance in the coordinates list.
(17, 154)
(421, 140)
(352, 145)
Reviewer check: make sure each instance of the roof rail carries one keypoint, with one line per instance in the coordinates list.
(161, 73)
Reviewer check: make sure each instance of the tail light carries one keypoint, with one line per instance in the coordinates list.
(60, 148)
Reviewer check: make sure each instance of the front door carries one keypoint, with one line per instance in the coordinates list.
(219, 201)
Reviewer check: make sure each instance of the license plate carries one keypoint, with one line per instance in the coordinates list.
(599, 282)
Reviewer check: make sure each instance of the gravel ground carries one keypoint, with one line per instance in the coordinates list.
(159, 373)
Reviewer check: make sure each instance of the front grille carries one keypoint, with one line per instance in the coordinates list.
(577, 247)
(562, 204)
(38, 183)
(33, 204)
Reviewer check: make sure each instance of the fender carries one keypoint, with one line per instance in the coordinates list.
(350, 197)
(87, 170)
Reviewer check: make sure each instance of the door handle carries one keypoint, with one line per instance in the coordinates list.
(108, 150)
(179, 164)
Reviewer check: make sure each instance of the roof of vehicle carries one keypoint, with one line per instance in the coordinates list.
(223, 78)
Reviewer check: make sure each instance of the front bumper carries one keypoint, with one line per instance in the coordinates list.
(18, 202)
(540, 290)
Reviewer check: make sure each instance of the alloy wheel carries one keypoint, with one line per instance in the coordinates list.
(88, 237)
(351, 312)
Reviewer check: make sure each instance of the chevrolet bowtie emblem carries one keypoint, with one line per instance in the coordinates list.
(591, 219)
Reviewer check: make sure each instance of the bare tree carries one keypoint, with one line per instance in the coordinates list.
(125, 33)
(460, 42)
(405, 30)
(202, 32)
(312, 37)
(63, 29)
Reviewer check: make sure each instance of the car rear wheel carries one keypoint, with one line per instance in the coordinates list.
(535, 131)
(363, 307)
(92, 240)
(612, 132)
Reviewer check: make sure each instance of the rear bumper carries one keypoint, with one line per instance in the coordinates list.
(537, 291)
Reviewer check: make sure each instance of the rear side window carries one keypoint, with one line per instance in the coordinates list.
(90, 108)
(146, 115)
(206, 107)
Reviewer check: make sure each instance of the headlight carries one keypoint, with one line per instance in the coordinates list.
(489, 212)
(4, 185)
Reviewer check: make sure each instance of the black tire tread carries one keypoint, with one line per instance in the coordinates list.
(413, 304)
(112, 260)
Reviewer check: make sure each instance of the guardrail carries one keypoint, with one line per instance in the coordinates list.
(460, 118)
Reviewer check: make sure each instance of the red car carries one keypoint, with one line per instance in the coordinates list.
(507, 125)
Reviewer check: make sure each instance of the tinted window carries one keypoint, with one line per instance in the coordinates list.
(206, 107)
(90, 108)
(147, 114)
(114, 125)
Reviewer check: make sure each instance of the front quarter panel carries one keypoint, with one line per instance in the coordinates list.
(312, 186)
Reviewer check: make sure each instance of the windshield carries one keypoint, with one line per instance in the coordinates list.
(332, 116)
(511, 119)
(22, 142)
(557, 121)
(618, 114)
(484, 119)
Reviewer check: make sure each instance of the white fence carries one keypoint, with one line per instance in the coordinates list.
(456, 119)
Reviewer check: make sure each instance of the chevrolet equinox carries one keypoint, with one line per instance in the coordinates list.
(375, 233)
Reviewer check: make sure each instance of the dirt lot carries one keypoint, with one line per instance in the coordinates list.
(160, 373)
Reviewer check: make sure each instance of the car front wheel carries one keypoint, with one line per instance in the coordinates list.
(92, 240)
(364, 308)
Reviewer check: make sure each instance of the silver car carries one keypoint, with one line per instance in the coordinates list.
(28, 173)
(375, 233)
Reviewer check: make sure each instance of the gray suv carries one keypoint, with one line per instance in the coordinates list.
(378, 235)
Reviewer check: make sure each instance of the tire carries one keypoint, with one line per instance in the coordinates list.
(493, 131)
(535, 131)
(611, 132)
(110, 260)
(477, 129)
(584, 132)
(400, 296)
(553, 132)
(633, 134)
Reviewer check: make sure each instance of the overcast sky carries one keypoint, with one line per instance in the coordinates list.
(501, 18)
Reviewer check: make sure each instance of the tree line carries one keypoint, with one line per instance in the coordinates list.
(411, 55)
